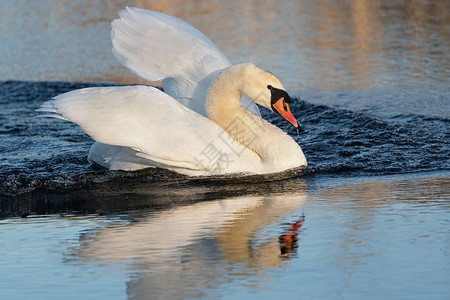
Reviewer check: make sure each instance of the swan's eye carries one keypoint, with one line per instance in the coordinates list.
(269, 87)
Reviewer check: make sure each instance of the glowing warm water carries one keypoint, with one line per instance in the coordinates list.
(310, 45)
(370, 220)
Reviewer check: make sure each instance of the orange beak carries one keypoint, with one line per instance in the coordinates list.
(282, 108)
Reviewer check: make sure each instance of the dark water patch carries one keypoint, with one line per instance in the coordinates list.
(45, 156)
(342, 141)
(150, 189)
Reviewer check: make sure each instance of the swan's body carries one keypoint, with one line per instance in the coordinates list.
(139, 126)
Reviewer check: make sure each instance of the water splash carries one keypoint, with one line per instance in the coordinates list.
(50, 155)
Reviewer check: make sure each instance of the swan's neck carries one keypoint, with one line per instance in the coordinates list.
(253, 132)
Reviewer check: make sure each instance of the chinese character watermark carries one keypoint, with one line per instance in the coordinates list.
(239, 135)
(211, 158)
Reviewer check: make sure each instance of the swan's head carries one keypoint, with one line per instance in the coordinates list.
(265, 89)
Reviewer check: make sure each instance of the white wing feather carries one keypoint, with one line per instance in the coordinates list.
(153, 126)
(157, 46)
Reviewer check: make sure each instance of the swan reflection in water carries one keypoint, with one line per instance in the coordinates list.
(187, 250)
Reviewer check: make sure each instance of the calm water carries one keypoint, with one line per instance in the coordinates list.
(361, 238)
(369, 218)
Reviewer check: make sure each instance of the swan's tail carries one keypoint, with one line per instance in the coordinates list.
(49, 107)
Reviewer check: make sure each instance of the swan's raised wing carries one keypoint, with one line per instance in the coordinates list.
(157, 47)
(154, 125)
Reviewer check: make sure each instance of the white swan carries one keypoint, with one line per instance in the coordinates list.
(137, 127)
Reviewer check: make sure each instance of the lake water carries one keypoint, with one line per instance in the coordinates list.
(368, 219)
